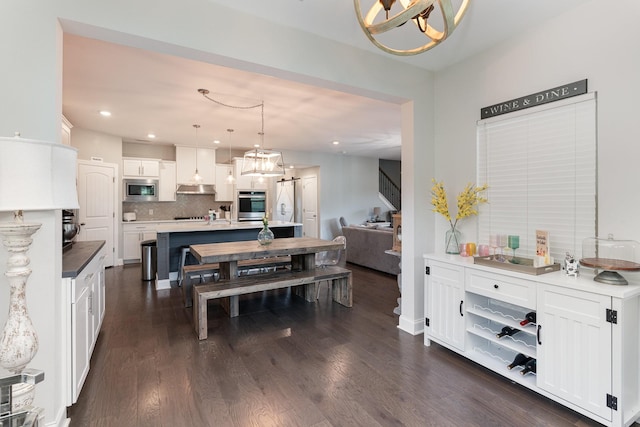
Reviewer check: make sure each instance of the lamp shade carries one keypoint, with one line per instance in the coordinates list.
(37, 175)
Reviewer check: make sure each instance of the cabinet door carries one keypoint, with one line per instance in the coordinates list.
(149, 168)
(224, 189)
(91, 280)
(100, 306)
(186, 164)
(167, 182)
(131, 245)
(130, 167)
(444, 300)
(80, 344)
(574, 347)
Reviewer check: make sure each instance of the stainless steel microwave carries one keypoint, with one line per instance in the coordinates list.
(141, 190)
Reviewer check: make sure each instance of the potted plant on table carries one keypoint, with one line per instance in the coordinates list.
(468, 201)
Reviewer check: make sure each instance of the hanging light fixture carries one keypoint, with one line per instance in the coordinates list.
(417, 11)
(197, 178)
(259, 161)
(230, 177)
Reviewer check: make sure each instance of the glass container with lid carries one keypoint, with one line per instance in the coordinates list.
(610, 256)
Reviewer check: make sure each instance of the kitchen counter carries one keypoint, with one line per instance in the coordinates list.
(219, 224)
(78, 256)
(172, 237)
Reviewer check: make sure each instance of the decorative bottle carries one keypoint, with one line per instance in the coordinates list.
(265, 236)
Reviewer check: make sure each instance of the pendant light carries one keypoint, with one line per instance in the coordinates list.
(230, 177)
(259, 161)
(196, 176)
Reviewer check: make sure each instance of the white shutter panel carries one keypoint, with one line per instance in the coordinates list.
(540, 165)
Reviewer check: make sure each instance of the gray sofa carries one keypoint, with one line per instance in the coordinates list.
(366, 246)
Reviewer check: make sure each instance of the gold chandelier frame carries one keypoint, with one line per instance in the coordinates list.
(417, 11)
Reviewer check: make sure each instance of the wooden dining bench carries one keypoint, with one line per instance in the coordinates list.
(189, 272)
(305, 281)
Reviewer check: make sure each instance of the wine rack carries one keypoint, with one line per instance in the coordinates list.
(485, 319)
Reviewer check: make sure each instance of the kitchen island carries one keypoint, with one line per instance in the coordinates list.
(172, 237)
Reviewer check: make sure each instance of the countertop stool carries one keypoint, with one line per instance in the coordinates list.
(183, 259)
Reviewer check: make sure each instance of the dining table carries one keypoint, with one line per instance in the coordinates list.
(301, 250)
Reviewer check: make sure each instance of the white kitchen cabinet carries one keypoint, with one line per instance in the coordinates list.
(97, 300)
(572, 345)
(85, 295)
(133, 235)
(224, 189)
(244, 182)
(186, 164)
(167, 191)
(585, 339)
(444, 303)
(147, 168)
(80, 341)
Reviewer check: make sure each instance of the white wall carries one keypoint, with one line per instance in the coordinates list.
(97, 144)
(347, 186)
(585, 43)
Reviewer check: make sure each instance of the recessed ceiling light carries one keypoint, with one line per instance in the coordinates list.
(216, 141)
(256, 145)
(291, 167)
(336, 142)
(105, 113)
(151, 136)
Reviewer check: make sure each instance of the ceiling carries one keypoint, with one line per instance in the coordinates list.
(149, 92)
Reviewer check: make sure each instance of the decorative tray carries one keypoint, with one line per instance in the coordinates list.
(524, 265)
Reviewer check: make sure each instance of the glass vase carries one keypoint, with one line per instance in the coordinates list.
(265, 236)
(452, 239)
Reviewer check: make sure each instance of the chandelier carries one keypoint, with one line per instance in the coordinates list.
(417, 11)
(259, 161)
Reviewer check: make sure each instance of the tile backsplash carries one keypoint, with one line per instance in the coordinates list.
(186, 205)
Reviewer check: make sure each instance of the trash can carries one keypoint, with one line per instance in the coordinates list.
(149, 259)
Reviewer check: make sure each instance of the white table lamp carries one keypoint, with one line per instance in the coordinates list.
(34, 176)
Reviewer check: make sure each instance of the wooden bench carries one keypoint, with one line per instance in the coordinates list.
(306, 282)
(244, 266)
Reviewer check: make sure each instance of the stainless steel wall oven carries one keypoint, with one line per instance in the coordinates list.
(252, 205)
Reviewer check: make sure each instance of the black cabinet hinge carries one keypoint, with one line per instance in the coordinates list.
(612, 316)
(427, 271)
(612, 402)
(426, 321)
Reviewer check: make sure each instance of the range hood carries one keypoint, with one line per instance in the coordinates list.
(196, 189)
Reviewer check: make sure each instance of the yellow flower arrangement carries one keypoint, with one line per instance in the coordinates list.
(468, 201)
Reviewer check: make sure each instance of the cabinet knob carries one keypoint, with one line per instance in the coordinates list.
(495, 286)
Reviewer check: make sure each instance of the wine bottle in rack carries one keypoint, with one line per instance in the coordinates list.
(530, 366)
(507, 331)
(529, 318)
(519, 360)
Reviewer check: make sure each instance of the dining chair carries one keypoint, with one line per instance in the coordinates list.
(335, 257)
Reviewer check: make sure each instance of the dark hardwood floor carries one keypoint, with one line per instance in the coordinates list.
(286, 362)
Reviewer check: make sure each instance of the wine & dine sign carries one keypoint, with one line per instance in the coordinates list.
(539, 98)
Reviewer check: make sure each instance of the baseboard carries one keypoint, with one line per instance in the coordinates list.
(412, 326)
